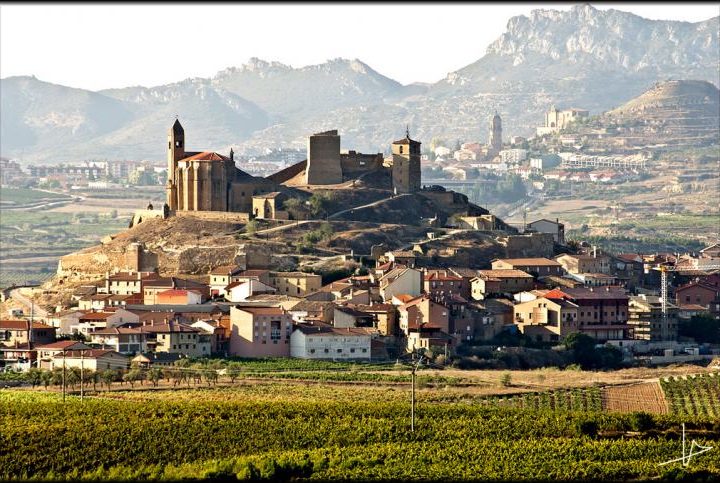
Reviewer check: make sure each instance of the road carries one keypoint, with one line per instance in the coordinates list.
(37, 311)
(369, 205)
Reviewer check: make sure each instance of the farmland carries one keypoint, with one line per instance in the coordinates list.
(280, 430)
(696, 395)
(38, 227)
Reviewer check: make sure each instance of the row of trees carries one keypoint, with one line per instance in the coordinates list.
(183, 372)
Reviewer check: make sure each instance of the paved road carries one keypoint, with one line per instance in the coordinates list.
(37, 311)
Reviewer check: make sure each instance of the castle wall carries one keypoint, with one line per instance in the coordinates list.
(225, 216)
(354, 164)
(323, 153)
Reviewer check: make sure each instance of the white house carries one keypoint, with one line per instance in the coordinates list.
(120, 339)
(325, 342)
(240, 291)
(401, 281)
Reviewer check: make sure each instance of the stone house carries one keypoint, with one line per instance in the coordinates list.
(546, 320)
(538, 267)
(297, 284)
(15, 332)
(499, 282)
(584, 263)
(423, 311)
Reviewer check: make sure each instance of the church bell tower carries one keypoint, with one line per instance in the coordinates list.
(176, 152)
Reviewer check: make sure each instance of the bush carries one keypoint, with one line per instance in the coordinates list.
(641, 421)
(506, 379)
(588, 428)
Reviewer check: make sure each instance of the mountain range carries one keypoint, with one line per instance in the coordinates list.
(584, 58)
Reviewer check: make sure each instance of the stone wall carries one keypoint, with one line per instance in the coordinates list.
(225, 216)
(323, 163)
(528, 245)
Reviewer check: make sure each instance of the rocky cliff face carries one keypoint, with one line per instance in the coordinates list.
(583, 57)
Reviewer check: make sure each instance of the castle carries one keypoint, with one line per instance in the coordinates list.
(556, 120)
(209, 181)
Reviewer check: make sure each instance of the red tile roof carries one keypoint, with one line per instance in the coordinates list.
(86, 354)
(62, 344)
(263, 310)
(96, 316)
(206, 156)
(529, 261)
(21, 325)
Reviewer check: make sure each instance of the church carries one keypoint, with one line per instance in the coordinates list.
(208, 181)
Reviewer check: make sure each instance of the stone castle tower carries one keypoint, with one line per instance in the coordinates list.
(495, 143)
(176, 152)
(406, 176)
(323, 159)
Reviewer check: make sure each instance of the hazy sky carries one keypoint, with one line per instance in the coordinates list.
(118, 45)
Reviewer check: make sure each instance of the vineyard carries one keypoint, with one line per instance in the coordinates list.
(298, 431)
(563, 400)
(696, 395)
(635, 397)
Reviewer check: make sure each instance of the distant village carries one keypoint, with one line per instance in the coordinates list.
(403, 301)
(565, 159)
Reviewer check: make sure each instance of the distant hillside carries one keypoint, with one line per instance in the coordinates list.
(583, 57)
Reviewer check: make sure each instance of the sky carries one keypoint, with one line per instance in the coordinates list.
(100, 46)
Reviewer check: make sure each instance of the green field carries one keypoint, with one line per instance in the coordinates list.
(288, 430)
(19, 196)
(694, 396)
(31, 242)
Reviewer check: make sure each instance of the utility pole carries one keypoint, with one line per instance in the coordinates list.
(82, 375)
(414, 366)
(63, 377)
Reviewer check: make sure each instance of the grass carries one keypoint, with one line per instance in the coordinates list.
(21, 196)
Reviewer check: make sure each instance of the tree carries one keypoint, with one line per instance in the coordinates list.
(154, 375)
(57, 376)
(108, 376)
(294, 206)
(132, 376)
(319, 204)
(702, 327)
(33, 376)
(506, 379)
(233, 371)
(46, 378)
(72, 376)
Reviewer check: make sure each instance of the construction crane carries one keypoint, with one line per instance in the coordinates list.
(664, 283)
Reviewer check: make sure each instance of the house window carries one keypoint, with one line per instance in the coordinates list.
(312, 351)
(326, 351)
(352, 350)
(339, 351)
(364, 350)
